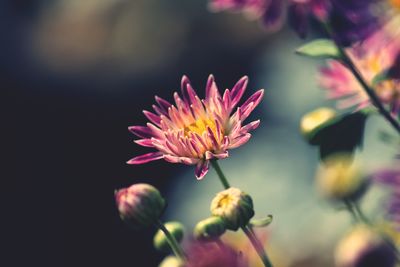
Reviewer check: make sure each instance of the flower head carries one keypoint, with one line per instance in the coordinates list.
(201, 254)
(234, 207)
(139, 205)
(209, 229)
(364, 247)
(339, 179)
(374, 56)
(353, 20)
(273, 12)
(195, 131)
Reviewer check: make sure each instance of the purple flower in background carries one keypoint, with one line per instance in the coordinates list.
(350, 20)
(391, 178)
(273, 12)
(353, 20)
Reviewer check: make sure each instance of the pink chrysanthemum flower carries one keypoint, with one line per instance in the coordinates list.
(374, 56)
(195, 131)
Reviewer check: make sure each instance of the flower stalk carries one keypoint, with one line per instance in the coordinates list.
(176, 248)
(368, 90)
(246, 229)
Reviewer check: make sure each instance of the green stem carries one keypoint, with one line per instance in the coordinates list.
(246, 229)
(221, 175)
(176, 248)
(368, 90)
(352, 211)
(257, 245)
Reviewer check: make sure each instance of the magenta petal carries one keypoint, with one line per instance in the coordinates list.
(250, 126)
(164, 104)
(152, 117)
(212, 89)
(238, 141)
(184, 82)
(184, 160)
(146, 158)
(238, 90)
(141, 131)
(202, 169)
(251, 104)
(209, 155)
(144, 142)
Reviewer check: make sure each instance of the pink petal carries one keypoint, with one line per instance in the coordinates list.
(209, 155)
(146, 158)
(251, 103)
(211, 87)
(164, 104)
(152, 117)
(184, 82)
(184, 160)
(249, 127)
(201, 169)
(238, 141)
(144, 142)
(141, 131)
(238, 90)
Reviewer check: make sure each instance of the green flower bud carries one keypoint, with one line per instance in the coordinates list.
(139, 205)
(234, 207)
(340, 179)
(171, 261)
(209, 229)
(160, 241)
(314, 121)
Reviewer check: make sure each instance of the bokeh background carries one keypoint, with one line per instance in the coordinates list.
(75, 74)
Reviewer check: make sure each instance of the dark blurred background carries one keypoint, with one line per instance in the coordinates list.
(75, 74)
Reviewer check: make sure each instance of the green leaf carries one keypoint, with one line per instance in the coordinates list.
(320, 48)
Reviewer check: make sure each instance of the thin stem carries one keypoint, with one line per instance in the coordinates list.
(221, 175)
(352, 211)
(257, 245)
(246, 229)
(176, 248)
(361, 215)
(368, 90)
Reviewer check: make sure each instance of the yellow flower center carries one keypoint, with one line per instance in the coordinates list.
(224, 201)
(200, 126)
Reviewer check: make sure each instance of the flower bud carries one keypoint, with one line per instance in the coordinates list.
(209, 229)
(234, 207)
(171, 261)
(160, 241)
(364, 247)
(314, 121)
(139, 205)
(340, 179)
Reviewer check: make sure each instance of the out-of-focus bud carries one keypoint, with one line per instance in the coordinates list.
(340, 179)
(314, 121)
(140, 205)
(209, 229)
(160, 241)
(171, 261)
(364, 247)
(234, 207)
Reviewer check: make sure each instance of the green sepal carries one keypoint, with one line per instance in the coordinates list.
(319, 48)
(261, 222)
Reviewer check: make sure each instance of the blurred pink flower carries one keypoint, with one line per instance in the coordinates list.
(208, 254)
(372, 57)
(195, 131)
(273, 12)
